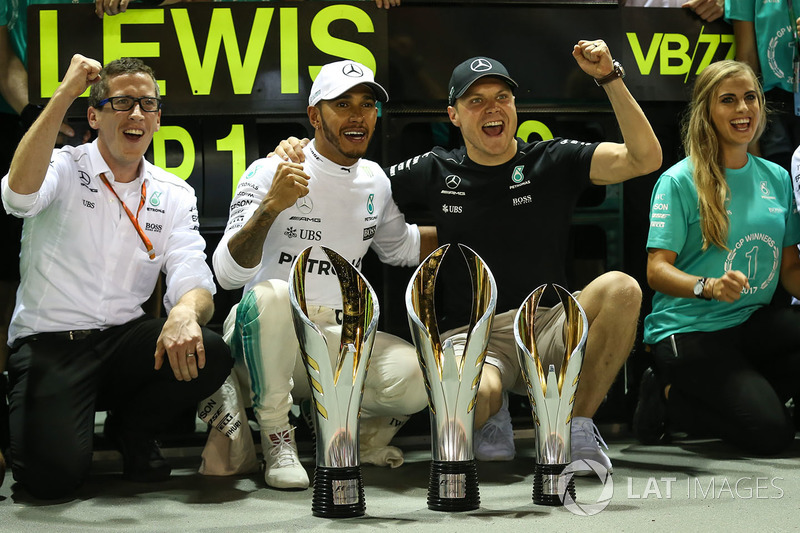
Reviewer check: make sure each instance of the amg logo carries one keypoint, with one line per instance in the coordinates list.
(153, 227)
(369, 233)
(521, 200)
(306, 219)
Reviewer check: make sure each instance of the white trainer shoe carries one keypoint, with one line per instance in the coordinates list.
(585, 444)
(495, 440)
(375, 434)
(283, 468)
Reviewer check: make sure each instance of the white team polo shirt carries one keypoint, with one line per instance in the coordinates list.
(348, 209)
(82, 264)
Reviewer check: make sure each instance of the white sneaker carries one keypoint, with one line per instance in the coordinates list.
(283, 468)
(585, 444)
(495, 440)
(375, 434)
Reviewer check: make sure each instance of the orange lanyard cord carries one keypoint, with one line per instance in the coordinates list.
(134, 220)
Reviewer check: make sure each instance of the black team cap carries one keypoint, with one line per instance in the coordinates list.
(472, 70)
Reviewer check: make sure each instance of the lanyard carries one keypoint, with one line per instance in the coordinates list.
(134, 220)
(793, 25)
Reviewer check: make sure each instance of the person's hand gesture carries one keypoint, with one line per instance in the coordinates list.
(82, 73)
(594, 58)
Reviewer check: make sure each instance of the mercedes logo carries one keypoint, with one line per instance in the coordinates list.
(305, 205)
(352, 71)
(452, 181)
(480, 65)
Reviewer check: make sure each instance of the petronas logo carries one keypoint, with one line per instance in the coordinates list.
(155, 199)
(370, 206)
(518, 176)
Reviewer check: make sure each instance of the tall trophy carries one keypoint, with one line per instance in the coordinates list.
(451, 381)
(336, 390)
(551, 389)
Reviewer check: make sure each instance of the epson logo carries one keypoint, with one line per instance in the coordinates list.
(240, 203)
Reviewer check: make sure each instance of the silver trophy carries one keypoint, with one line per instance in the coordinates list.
(551, 389)
(336, 390)
(451, 381)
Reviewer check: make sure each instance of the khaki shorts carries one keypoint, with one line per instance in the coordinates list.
(502, 348)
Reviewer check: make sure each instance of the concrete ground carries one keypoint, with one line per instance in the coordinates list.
(690, 485)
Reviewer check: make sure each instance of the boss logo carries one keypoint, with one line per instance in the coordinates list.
(369, 233)
(153, 227)
(522, 200)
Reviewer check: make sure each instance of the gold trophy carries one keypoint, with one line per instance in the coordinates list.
(551, 389)
(451, 381)
(336, 390)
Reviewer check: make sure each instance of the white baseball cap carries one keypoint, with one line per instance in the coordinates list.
(335, 79)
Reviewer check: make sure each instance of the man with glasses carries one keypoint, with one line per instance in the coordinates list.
(101, 224)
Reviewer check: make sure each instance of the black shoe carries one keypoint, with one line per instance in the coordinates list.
(141, 458)
(650, 417)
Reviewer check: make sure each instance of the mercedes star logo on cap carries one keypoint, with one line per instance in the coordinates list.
(352, 70)
(480, 65)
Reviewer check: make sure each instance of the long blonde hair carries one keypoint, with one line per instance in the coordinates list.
(701, 143)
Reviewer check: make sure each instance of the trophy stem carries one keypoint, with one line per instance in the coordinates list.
(338, 492)
(545, 484)
(453, 486)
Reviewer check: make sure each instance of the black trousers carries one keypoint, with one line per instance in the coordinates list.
(56, 385)
(734, 383)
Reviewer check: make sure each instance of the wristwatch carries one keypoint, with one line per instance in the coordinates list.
(699, 287)
(618, 72)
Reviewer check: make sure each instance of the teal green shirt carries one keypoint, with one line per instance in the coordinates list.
(774, 37)
(763, 220)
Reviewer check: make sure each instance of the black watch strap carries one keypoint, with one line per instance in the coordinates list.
(617, 72)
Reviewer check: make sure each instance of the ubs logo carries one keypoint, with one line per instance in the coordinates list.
(305, 205)
(452, 181)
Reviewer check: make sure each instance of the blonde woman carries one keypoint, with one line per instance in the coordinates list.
(723, 230)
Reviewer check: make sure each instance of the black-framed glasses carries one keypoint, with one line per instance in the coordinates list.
(151, 104)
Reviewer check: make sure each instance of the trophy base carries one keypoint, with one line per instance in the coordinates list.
(338, 492)
(546, 486)
(453, 486)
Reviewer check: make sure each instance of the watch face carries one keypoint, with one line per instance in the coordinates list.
(698, 288)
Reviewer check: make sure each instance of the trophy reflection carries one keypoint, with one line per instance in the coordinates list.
(451, 380)
(551, 389)
(337, 389)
